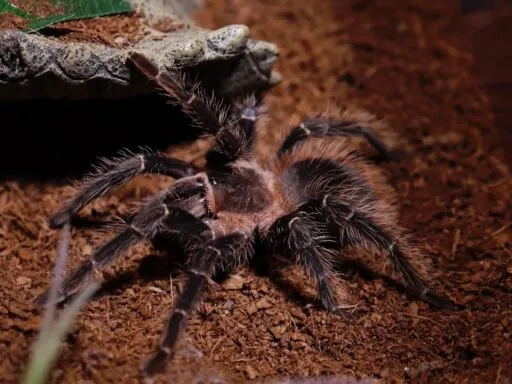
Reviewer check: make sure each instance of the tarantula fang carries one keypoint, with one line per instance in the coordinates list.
(316, 198)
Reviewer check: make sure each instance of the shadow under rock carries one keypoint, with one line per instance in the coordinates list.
(49, 140)
(45, 140)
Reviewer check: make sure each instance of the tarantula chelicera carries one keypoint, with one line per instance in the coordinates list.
(314, 198)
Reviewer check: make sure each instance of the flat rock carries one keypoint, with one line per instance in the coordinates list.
(227, 59)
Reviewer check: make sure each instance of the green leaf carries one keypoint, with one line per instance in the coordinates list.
(7, 7)
(80, 9)
(44, 22)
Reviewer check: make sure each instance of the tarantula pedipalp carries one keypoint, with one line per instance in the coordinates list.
(315, 198)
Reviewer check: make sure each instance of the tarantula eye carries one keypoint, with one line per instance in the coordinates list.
(213, 180)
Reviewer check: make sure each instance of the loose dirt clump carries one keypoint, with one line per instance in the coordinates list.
(404, 62)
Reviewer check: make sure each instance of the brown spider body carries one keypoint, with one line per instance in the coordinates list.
(314, 199)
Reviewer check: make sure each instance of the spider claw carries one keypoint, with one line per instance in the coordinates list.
(397, 154)
(393, 155)
(143, 64)
(189, 350)
(59, 219)
(343, 311)
(439, 301)
(42, 300)
(347, 316)
(154, 364)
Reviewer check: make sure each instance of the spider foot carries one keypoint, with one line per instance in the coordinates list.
(349, 313)
(162, 356)
(43, 299)
(397, 155)
(189, 350)
(439, 301)
(210, 377)
(155, 364)
(59, 219)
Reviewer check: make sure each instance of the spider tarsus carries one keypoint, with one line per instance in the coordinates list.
(59, 219)
(326, 295)
(143, 64)
(119, 171)
(322, 127)
(347, 316)
(155, 364)
(393, 155)
(439, 301)
(41, 300)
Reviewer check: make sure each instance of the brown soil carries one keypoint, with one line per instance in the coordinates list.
(404, 62)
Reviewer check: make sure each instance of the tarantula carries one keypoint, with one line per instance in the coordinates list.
(313, 199)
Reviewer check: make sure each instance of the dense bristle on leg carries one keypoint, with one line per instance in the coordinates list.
(295, 235)
(143, 64)
(205, 260)
(237, 139)
(161, 213)
(348, 194)
(116, 172)
(355, 225)
(204, 111)
(320, 127)
(323, 166)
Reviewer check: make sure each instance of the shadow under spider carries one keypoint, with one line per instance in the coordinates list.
(272, 267)
(168, 262)
(170, 258)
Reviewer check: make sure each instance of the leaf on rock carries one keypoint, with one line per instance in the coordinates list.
(7, 7)
(68, 10)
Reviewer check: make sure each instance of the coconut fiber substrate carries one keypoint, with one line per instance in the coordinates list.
(403, 61)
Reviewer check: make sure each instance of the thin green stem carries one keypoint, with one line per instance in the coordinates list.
(46, 349)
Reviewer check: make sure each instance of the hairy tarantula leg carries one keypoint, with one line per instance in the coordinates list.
(118, 173)
(238, 139)
(227, 250)
(352, 225)
(99, 260)
(234, 139)
(156, 216)
(296, 235)
(248, 113)
(192, 101)
(318, 128)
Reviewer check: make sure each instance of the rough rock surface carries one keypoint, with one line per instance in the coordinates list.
(34, 66)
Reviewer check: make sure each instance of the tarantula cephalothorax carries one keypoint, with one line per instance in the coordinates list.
(313, 199)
